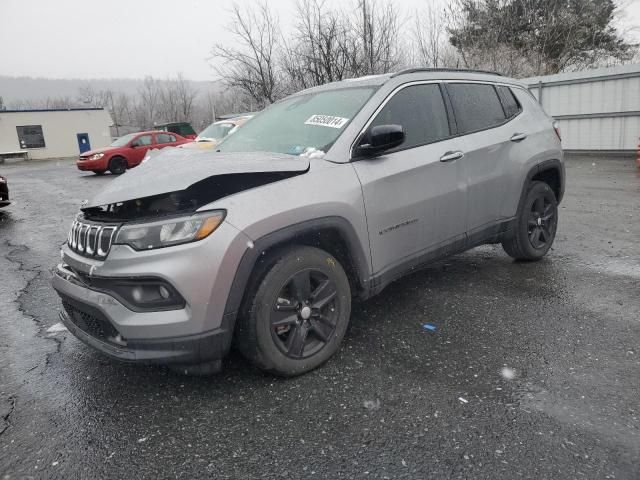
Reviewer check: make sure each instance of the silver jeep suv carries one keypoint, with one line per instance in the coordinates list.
(326, 196)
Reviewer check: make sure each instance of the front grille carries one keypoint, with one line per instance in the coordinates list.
(91, 240)
(93, 324)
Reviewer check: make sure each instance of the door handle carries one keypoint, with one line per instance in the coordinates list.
(451, 156)
(516, 137)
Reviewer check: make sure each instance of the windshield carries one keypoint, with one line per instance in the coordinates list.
(300, 124)
(122, 141)
(216, 131)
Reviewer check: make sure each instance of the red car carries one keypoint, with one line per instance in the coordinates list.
(126, 152)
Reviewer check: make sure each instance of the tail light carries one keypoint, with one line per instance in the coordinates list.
(556, 127)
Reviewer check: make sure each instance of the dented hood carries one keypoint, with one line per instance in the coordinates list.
(175, 169)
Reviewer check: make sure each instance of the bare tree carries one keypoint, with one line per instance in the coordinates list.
(89, 96)
(378, 30)
(186, 94)
(430, 45)
(322, 48)
(148, 104)
(252, 66)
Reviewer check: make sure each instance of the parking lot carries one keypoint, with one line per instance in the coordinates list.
(533, 370)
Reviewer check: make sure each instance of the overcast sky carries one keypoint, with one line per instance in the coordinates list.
(131, 38)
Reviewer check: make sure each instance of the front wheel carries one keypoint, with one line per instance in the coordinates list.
(117, 165)
(536, 224)
(298, 315)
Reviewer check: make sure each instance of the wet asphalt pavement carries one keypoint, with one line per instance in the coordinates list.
(396, 402)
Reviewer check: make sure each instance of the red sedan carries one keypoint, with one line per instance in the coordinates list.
(126, 152)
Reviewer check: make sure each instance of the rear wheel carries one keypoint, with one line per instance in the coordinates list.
(536, 224)
(298, 315)
(117, 165)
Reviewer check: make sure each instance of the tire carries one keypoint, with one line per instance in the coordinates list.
(290, 325)
(117, 165)
(536, 224)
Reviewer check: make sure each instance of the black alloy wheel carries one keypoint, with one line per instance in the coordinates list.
(296, 311)
(304, 314)
(542, 222)
(534, 229)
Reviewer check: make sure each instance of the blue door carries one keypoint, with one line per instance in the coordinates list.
(83, 142)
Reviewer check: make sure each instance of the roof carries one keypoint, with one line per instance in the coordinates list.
(146, 132)
(413, 75)
(628, 70)
(46, 110)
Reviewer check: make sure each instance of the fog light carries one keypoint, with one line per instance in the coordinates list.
(139, 294)
(136, 293)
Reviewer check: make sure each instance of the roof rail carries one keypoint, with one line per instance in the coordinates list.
(425, 69)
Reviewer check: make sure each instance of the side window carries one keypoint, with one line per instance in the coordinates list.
(165, 138)
(421, 112)
(509, 101)
(143, 140)
(476, 106)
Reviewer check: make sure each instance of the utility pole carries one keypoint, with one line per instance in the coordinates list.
(113, 112)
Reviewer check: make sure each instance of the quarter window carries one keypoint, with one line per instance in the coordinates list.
(421, 112)
(509, 101)
(476, 106)
(30, 136)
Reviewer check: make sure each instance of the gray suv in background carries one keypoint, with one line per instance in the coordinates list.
(326, 196)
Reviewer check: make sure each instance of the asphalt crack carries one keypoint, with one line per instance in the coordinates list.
(5, 418)
(13, 256)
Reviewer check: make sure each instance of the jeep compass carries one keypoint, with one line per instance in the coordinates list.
(325, 197)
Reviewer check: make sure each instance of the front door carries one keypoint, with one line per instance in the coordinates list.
(415, 195)
(139, 148)
(83, 142)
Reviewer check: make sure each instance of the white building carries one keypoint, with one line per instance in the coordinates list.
(54, 133)
(598, 110)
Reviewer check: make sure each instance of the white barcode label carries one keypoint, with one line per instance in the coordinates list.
(326, 121)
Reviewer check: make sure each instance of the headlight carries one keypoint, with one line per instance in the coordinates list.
(173, 231)
(96, 156)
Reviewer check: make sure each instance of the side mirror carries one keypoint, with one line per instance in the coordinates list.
(134, 145)
(380, 139)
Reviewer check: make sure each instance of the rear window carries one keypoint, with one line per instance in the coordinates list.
(476, 106)
(509, 101)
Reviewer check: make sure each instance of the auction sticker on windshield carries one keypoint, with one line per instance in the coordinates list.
(327, 121)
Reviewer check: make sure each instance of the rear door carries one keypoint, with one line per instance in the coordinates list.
(165, 140)
(414, 202)
(487, 139)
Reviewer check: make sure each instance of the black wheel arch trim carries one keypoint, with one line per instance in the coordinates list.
(360, 260)
(543, 166)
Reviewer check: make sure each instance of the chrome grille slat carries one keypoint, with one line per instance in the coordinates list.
(90, 247)
(91, 240)
(82, 238)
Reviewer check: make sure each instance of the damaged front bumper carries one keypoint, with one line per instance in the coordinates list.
(91, 327)
(198, 330)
